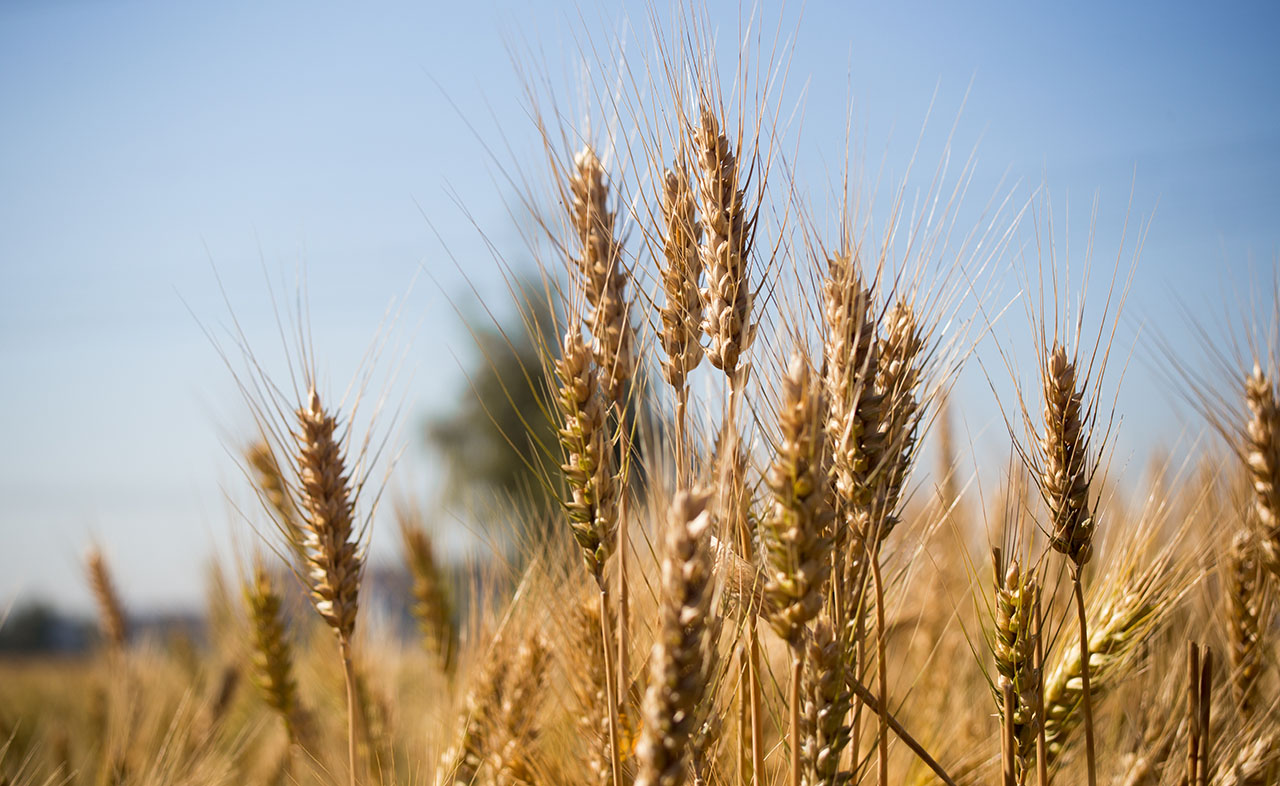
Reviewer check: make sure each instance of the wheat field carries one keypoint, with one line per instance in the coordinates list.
(739, 573)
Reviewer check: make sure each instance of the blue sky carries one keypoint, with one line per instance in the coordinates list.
(144, 144)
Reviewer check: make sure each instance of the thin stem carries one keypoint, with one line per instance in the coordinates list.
(1206, 685)
(611, 696)
(349, 673)
(797, 670)
(882, 669)
(868, 698)
(624, 674)
(1084, 677)
(744, 720)
(855, 725)
(682, 406)
(1042, 747)
(757, 702)
(1007, 735)
(1193, 716)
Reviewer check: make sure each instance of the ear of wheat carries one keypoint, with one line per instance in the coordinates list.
(680, 663)
(1262, 457)
(1014, 647)
(111, 619)
(727, 235)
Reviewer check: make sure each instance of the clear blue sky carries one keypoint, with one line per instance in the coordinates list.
(144, 143)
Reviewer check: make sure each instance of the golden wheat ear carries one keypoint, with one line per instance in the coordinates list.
(432, 606)
(680, 662)
(727, 235)
(1262, 459)
(1014, 647)
(272, 653)
(111, 617)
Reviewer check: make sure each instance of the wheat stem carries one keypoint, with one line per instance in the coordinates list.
(1087, 700)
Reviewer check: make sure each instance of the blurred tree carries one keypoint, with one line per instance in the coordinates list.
(501, 438)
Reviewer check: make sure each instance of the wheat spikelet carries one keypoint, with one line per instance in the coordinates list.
(726, 247)
(897, 379)
(334, 560)
(799, 516)
(431, 607)
(515, 723)
(682, 311)
(275, 491)
(681, 660)
(1262, 456)
(1112, 643)
(272, 656)
(111, 619)
(1257, 763)
(854, 407)
(1064, 476)
(604, 278)
(586, 654)
(461, 763)
(1014, 648)
(1244, 630)
(592, 509)
(825, 734)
